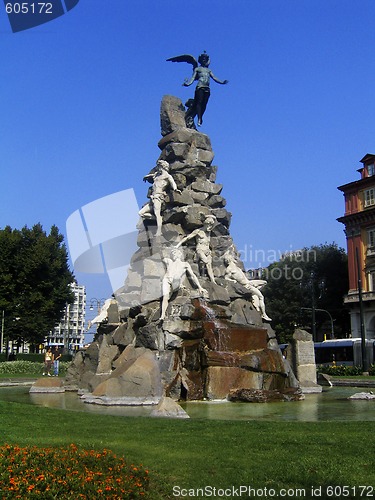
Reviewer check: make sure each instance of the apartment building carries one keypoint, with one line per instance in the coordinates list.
(69, 333)
(359, 222)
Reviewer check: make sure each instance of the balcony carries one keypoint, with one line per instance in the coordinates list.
(353, 297)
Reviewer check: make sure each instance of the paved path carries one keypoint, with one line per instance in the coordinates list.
(8, 382)
(345, 382)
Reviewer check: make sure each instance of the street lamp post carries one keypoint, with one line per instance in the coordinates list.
(365, 364)
(97, 302)
(311, 283)
(330, 317)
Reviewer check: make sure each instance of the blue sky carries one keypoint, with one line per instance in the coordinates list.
(80, 99)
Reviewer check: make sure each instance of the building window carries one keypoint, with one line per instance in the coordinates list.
(371, 241)
(370, 169)
(369, 197)
(371, 281)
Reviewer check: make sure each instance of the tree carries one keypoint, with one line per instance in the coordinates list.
(34, 282)
(319, 274)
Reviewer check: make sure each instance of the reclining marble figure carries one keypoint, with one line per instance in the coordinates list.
(234, 273)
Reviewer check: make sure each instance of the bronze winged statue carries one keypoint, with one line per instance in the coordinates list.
(202, 73)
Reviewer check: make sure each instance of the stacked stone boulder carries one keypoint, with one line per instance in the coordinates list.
(204, 348)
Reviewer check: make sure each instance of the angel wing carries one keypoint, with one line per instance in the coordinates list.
(185, 58)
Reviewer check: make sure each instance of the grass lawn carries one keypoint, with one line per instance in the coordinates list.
(8, 376)
(197, 453)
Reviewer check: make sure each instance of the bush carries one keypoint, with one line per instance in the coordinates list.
(13, 367)
(68, 473)
(29, 367)
(341, 370)
(39, 357)
(35, 357)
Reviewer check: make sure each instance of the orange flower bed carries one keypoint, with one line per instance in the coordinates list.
(30, 472)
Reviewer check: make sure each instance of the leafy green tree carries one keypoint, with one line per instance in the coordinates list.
(34, 282)
(319, 274)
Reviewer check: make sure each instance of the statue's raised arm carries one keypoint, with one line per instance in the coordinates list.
(202, 74)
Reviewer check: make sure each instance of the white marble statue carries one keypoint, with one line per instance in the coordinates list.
(202, 237)
(176, 270)
(234, 273)
(102, 314)
(162, 180)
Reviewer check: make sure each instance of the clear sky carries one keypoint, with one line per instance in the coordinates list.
(80, 99)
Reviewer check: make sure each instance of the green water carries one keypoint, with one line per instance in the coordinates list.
(331, 404)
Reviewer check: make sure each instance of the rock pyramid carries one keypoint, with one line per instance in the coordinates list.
(212, 340)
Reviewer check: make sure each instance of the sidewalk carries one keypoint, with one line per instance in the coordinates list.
(344, 382)
(9, 382)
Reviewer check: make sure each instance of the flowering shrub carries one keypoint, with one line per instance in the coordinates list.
(12, 367)
(343, 370)
(63, 473)
(30, 367)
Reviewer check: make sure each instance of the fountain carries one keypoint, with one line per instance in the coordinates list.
(188, 323)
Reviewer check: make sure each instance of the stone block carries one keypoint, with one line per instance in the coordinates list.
(174, 215)
(217, 293)
(180, 180)
(148, 336)
(212, 176)
(265, 360)
(192, 171)
(264, 396)
(244, 313)
(207, 187)
(139, 379)
(142, 379)
(188, 136)
(183, 328)
(112, 313)
(172, 115)
(222, 216)
(220, 243)
(190, 355)
(48, 384)
(172, 341)
(110, 388)
(168, 408)
(133, 280)
(301, 355)
(126, 300)
(222, 336)
(167, 361)
(195, 216)
(180, 199)
(176, 151)
(107, 354)
(172, 233)
(153, 267)
(124, 334)
(126, 358)
(221, 380)
(205, 156)
(193, 385)
(199, 196)
(151, 289)
(216, 201)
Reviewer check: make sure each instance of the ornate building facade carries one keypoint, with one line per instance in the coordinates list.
(359, 222)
